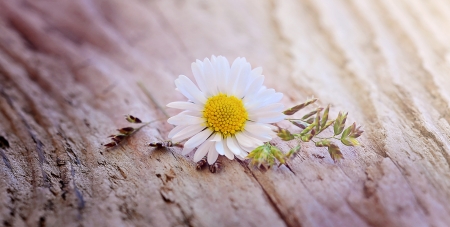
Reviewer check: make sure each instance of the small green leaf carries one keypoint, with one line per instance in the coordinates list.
(277, 154)
(323, 143)
(296, 108)
(335, 152)
(356, 132)
(300, 124)
(339, 124)
(307, 129)
(349, 141)
(317, 121)
(266, 155)
(310, 120)
(347, 131)
(328, 124)
(293, 151)
(261, 156)
(255, 152)
(307, 137)
(285, 135)
(312, 113)
(354, 141)
(325, 117)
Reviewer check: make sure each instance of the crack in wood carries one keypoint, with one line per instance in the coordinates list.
(271, 201)
(6, 160)
(78, 194)
(38, 143)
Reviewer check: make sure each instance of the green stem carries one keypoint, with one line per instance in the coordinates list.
(323, 138)
(296, 119)
(143, 125)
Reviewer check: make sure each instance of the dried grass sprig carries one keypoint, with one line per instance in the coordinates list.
(312, 125)
(124, 133)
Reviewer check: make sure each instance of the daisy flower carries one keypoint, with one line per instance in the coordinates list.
(228, 112)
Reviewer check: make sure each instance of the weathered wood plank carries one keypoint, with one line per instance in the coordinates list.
(69, 71)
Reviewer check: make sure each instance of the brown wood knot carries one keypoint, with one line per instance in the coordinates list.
(60, 162)
(54, 190)
(169, 177)
(124, 175)
(167, 194)
(3, 142)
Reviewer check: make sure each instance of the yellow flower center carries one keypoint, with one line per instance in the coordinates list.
(225, 114)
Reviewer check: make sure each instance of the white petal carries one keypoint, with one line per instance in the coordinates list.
(182, 119)
(198, 139)
(260, 132)
(197, 70)
(260, 138)
(199, 63)
(202, 150)
(273, 127)
(243, 80)
(257, 140)
(228, 153)
(181, 88)
(223, 72)
(216, 137)
(189, 87)
(187, 132)
(192, 113)
(256, 72)
(244, 153)
(244, 139)
(213, 59)
(176, 130)
(259, 99)
(212, 155)
(185, 106)
(262, 117)
(274, 98)
(233, 145)
(210, 76)
(268, 114)
(270, 119)
(256, 127)
(254, 88)
(264, 98)
(234, 75)
(248, 149)
(187, 150)
(219, 147)
(274, 107)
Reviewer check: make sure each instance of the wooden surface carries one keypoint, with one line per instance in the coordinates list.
(69, 71)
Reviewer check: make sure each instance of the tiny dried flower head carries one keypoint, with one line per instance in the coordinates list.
(228, 112)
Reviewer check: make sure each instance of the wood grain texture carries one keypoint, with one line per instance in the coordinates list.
(69, 71)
